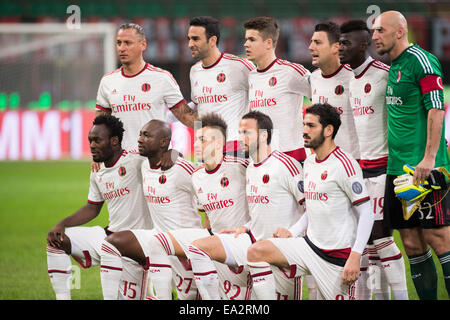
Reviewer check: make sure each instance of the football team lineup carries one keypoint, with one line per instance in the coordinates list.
(292, 197)
(242, 177)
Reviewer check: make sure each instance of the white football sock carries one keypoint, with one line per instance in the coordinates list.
(362, 290)
(160, 269)
(110, 270)
(312, 287)
(205, 273)
(392, 266)
(263, 280)
(59, 272)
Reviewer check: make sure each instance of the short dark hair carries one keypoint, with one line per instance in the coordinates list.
(140, 31)
(267, 27)
(263, 121)
(215, 121)
(114, 125)
(211, 25)
(332, 29)
(328, 115)
(356, 25)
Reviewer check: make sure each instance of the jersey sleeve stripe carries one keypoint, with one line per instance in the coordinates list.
(164, 242)
(290, 162)
(99, 107)
(187, 163)
(185, 167)
(243, 61)
(228, 158)
(424, 62)
(95, 202)
(178, 104)
(381, 65)
(345, 161)
(436, 101)
(292, 169)
(360, 200)
(156, 69)
(300, 69)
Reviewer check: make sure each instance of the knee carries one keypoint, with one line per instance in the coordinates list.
(414, 244)
(116, 240)
(257, 251)
(438, 239)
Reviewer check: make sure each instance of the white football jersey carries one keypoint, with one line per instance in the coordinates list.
(274, 194)
(137, 99)
(121, 187)
(334, 90)
(222, 88)
(331, 187)
(170, 196)
(367, 98)
(221, 193)
(278, 91)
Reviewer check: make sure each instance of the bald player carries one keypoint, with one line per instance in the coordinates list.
(415, 105)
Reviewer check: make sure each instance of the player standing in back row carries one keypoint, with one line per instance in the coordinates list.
(416, 136)
(277, 87)
(329, 83)
(367, 91)
(138, 92)
(219, 81)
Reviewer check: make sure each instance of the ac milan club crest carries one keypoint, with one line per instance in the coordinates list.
(162, 179)
(122, 171)
(265, 178)
(367, 88)
(399, 76)
(221, 77)
(272, 81)
(145, 87)
(224, 182)
(339, 89)
(324, 175)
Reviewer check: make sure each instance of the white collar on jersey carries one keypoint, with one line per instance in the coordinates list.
(362, 67)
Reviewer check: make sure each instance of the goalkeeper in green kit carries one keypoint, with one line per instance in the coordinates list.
(416, 137)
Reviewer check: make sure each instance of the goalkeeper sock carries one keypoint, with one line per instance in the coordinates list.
(444, 259)
(59, 272)
(110, 270)
(423, 273)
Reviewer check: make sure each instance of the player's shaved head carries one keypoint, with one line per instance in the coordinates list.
(154, 137)
(390, 33)
(161, 127)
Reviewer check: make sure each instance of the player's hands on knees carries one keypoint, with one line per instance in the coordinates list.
(423, 170)
(95, 166)
(282, 233)
(55, 236)
(351, 268)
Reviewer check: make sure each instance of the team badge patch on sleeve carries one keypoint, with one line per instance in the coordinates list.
(357, 187)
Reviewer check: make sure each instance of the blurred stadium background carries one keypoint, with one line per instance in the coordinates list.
(49, 75)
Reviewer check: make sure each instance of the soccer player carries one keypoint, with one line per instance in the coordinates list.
(274, 195)
(219, 185)
(329, 82)
(416, 136)
(335, 238)
(277, 87)
(119, 183)
(138, 92)
(367, 91)
(219, 81)
(170, 200)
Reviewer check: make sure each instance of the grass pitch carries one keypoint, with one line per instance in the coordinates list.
(34, 196)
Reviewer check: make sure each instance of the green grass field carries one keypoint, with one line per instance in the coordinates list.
(33, 197)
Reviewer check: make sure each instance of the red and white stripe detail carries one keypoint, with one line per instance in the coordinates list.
(246, 63)
(380, 65)
(110, 250)
(298, 288)
(292, 167)
(185, 165)
(164, 242)
(297, 67)
(198, 251)
(346, 162)
(55, 250)
(228, 158)
(156, 69)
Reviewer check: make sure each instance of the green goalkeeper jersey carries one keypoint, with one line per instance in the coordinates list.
(414, 87)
